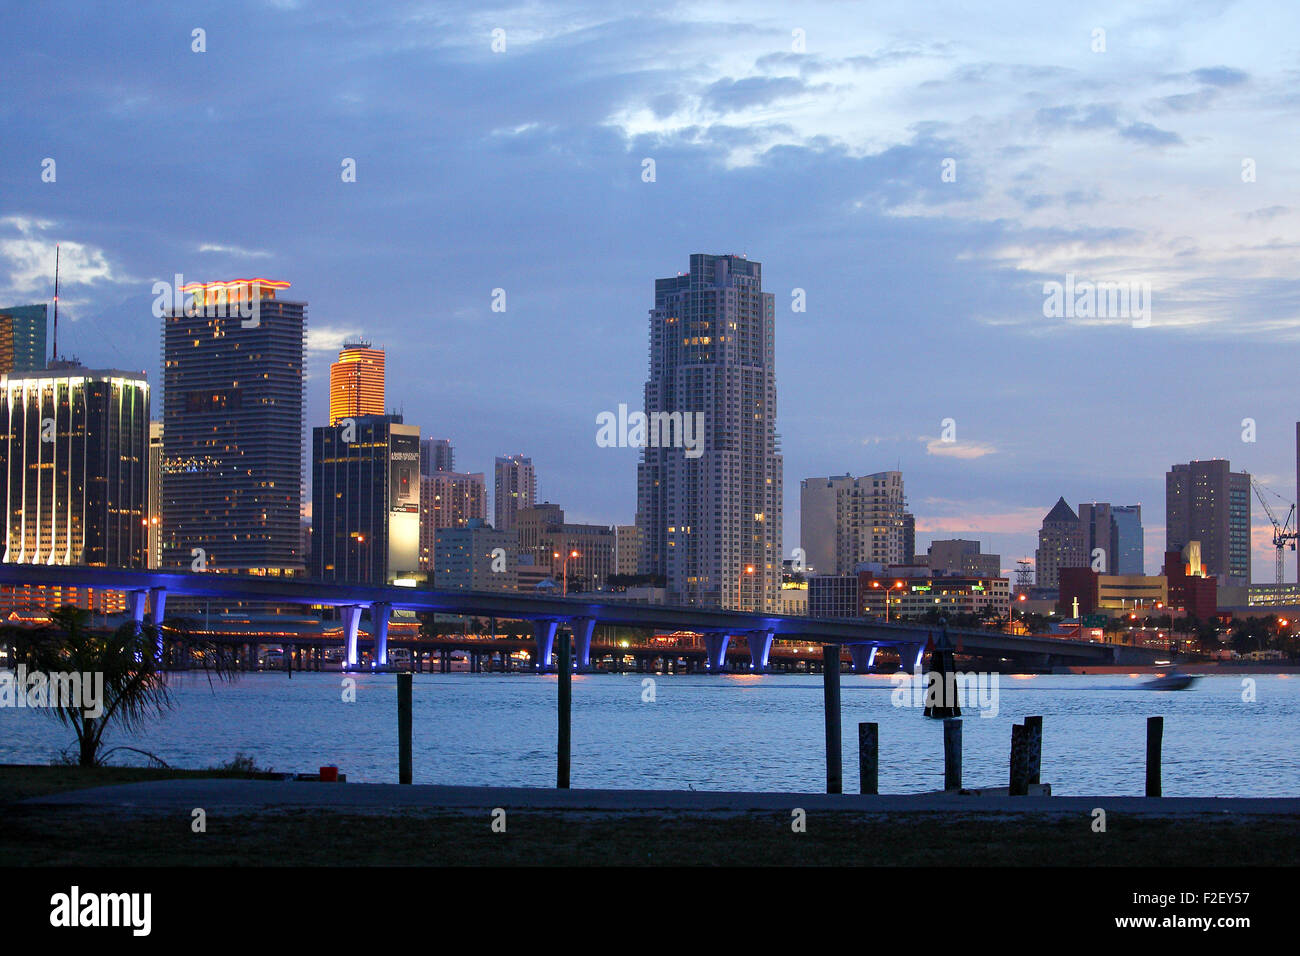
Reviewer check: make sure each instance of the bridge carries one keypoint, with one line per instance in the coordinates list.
(148, 590)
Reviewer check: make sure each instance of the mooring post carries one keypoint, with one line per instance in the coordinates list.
(831, 693)
(1019, 782)
(565, 673)
(952, 753)
(1155, 731)
(869, 757)
(404, 727)
(1034, 727)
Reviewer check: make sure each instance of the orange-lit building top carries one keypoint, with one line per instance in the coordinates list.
(357, 382)
(234, 290)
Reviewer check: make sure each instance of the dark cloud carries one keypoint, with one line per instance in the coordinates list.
(730, 96)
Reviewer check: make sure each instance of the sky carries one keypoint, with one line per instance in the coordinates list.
(919, 172)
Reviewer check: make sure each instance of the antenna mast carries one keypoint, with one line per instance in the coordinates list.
(55, 356)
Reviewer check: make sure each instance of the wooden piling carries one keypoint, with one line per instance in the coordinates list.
(563, 736)
(952, 753)
(868, 757)
(1034, 726)
(831, 697)
(1155, 732)
(404, 728)
(1019, 782)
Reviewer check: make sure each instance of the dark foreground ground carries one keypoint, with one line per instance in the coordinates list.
(149, 822)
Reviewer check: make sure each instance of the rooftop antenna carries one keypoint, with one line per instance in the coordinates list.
(55, 356)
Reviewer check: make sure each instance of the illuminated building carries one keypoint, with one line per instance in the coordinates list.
(1062, 543)
(448, 499)
(153, 511)
(22, 338)
(476, 557)
(712, 507)
(1206, 501)
(514, 488)
(357, 382)
(232, 436)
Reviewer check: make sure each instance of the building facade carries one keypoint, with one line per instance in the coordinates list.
(448, 499)
(22, 338)
(1131, 540)
(627, 548)
(437, 454)
(232, 435)
(846, 521)
(514, 488)
(1061, 544)
(153, 511)
(712, 507)
(476, 557)
(357, 382)
(1206, 501)
(962, 556)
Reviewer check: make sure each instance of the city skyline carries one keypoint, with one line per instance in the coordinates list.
(954, 317)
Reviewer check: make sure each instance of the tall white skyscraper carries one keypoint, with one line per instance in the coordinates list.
(846, 521)
(515, 488)
(710, 509)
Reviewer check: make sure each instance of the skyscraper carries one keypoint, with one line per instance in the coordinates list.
(22, 338)
(74, 453)
(514, 488)
(846, 521)
(366, 501)
(1062, 543)
(1206, 501)
(1132, 541)
(153, 513)
(1100, 534)
(448, 499)
(232, 436)
(437, 454)
(357, 382)
(709, 514)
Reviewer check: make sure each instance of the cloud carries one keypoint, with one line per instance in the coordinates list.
(325, 338)
(732, 96)
(1151, 135)
(957, 449)
(238, 251)
(1220, 76)
(29, 259)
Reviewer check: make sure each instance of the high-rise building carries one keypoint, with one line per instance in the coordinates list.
(476, 557)
(963, 556)
(437, 454)
(154, 511)
(1100, 536)
(366, 501)
(22, 338)
(846, 521)
(448, 499)
(515, 488)
(232, 436)
(1061, 544)
(74, 451)
(909, 537)
(627, 548)
(1130, 539)
(357, 382)
(548, 538)
(1206, 501)
(710, 508)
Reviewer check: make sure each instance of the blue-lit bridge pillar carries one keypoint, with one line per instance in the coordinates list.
(351, 620)
(582, 630)
(135, 601)
(760, 648)
(544, 635)
(716, 646)
(864, 657)
(158, 608)
(909, 656)
(379, 612)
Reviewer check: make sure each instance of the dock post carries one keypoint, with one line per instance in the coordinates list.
(1155, 731)
(831, 695)
(404, 727)
(565, 673)
(1034, 725)
(868, 757)
(952, 754)
(1019, 782)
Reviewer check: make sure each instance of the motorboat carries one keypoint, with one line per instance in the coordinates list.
(1173, 680)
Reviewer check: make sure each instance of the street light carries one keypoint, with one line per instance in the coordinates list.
(749, 569)
(572, 554)
(896, 585)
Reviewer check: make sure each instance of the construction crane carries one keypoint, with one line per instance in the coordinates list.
(1282, 531)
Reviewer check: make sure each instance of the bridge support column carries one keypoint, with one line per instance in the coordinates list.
(582, 631)
(864, 657)
(760, 648)
(909, 656)
(716, 645)
(351, 619)
(135, 602)
(379, 613)
(544, 635)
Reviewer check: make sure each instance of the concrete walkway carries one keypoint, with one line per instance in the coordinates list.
(185, 795)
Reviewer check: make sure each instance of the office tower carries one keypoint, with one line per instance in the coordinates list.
(232, 435)
(448, 499)
(22, 338)
(846, 521)
(627, 548)
(909, 537)
(710, 509)
(1206, 501)
(1130, 539)
(1100, 533)
(357, 382)
(365, 501)
(436, 454)
(963, 557)
(476, 557)
(154, 511)
(1061, 544)
(548, 538)
(515, 487)
(75, 455)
